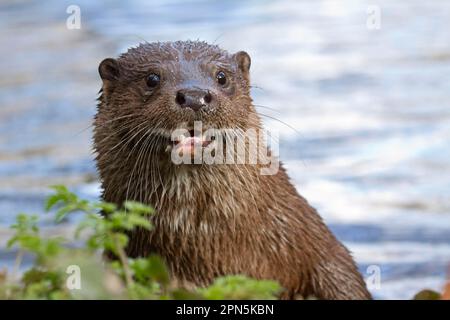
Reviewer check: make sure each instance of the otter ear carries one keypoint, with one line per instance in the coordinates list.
(109, 69)
(243, 60)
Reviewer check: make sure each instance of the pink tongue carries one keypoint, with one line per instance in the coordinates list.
(191, 141)
(187, 145)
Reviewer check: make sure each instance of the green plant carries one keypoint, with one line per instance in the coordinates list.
(59, 260)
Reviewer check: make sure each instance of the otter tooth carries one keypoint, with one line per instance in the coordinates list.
(181, 138)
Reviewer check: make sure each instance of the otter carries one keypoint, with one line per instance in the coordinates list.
(209, 220)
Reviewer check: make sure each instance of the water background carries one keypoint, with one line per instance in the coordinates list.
(370, 108)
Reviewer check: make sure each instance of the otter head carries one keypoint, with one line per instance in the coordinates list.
(157, 88)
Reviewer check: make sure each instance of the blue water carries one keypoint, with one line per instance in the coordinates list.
(370, 108)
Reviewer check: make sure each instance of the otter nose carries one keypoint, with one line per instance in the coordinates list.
(193, 98)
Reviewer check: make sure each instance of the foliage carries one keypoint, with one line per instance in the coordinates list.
(240, 287)
(56, 259)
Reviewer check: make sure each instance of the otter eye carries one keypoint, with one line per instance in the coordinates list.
(153, 80)
(221, 78)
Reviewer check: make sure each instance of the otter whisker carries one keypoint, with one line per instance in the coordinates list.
(134, 167)
(133, 133)
(117, 131)
(257, 87)
(268, 108)
(282, 122)
(98, 125)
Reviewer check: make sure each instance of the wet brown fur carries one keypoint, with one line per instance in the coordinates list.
(217, 219)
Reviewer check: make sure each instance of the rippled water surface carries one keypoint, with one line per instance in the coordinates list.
(370, 109)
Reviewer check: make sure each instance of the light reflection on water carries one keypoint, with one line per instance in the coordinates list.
(372, 109)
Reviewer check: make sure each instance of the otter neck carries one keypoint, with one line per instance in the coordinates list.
(168, 188)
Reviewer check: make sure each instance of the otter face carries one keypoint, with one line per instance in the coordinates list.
(156, 88)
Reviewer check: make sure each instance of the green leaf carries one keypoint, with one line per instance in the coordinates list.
(138, 208)
(240, 287)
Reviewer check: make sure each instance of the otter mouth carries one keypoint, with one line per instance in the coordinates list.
(192, 139)
(189, 141)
